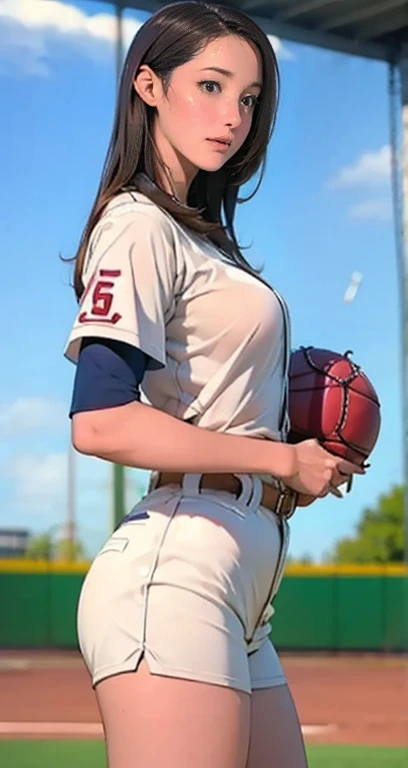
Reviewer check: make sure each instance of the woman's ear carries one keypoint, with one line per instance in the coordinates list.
(148, 86)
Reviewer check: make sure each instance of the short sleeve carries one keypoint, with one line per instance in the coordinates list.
(129, 281)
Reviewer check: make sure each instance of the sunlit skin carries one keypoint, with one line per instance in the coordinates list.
(213, 96)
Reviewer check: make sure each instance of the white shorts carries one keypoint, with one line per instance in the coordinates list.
(186, 582)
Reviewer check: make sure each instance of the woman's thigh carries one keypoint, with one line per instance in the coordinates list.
(152, 721)
(275, 738)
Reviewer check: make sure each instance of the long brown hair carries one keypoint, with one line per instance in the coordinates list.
(170, 38)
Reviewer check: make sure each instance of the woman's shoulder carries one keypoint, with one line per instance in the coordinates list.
(130, 214)
(133, 204)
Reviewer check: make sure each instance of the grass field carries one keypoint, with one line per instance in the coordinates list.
(90, 754)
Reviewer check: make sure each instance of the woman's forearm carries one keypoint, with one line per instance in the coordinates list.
(138, 435)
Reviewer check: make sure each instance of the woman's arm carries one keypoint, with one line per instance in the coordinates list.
(138, 435)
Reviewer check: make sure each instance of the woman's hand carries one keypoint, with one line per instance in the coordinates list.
(315, 471)
(303, 500)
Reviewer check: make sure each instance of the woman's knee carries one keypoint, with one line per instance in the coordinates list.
(152, 721)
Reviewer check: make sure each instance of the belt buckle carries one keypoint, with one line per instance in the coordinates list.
(286, 493)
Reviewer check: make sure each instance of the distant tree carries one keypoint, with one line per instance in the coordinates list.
(40, 547)
(45, 546)
(305, 559)
(379, 535)
(69, 551)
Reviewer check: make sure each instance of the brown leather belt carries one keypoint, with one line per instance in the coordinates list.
(282, 502)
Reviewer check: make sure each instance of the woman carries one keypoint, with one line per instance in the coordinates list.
(173, 619)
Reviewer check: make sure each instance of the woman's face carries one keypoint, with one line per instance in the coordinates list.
(206, 113)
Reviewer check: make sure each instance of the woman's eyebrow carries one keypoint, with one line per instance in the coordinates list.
(227, 73)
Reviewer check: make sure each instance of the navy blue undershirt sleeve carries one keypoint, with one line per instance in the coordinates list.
(108, 374)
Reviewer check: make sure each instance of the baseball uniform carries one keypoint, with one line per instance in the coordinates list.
(187, 579)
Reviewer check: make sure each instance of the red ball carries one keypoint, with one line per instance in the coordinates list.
(332, 400)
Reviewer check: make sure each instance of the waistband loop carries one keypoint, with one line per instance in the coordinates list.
(191, 483)
(246, 488)
(257, 492)
(251, 488)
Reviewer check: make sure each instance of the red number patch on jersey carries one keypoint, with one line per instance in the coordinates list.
(102, 298)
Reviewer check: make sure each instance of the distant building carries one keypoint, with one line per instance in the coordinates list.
(13, 542)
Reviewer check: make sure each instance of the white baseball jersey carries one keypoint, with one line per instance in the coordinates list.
(217, 333)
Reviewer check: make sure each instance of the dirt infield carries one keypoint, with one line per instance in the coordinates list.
(340, 699)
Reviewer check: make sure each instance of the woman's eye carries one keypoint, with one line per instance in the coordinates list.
(250, 101)
(210, 86)
(213, 86)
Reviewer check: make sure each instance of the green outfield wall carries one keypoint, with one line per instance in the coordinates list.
(317, 608)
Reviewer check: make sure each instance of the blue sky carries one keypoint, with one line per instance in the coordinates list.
(323, 211)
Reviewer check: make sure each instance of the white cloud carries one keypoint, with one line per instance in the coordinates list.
(281, 51)
(27, 414)
(372, 210)
(38, 482)
(29, 30)
(371, 169)
(36, 494)
(38, 479)
(59, 18)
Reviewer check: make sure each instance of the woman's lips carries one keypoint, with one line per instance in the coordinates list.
(220, 145)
